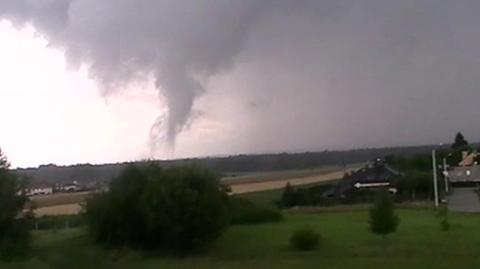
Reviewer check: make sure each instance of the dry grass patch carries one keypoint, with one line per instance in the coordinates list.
(69, 209)
(58, 199)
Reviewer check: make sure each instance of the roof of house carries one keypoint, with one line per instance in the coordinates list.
(469, 160)
(465, 174)
(376, 172)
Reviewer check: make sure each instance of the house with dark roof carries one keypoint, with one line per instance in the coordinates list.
(374, 176)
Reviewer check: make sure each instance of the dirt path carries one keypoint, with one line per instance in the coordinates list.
(464, 200)
(69, 209)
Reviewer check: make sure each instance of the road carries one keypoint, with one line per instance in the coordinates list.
(464, 200)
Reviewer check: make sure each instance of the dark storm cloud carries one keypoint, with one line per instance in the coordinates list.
(345, 72)
(179, 44)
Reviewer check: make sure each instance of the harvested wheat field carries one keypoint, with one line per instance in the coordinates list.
(255, 177)
(278, 184)
(58, 204)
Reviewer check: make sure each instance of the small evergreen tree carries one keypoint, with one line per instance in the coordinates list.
(442, 215)
(460, 141)
(382, 215)
(288, 196)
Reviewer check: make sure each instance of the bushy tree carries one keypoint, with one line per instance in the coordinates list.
(421, 162)
(150, 207)
(398, 161)
(383, 219)
(14, 235)
(418, 184)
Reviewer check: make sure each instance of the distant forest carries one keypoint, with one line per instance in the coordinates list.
(87, 173)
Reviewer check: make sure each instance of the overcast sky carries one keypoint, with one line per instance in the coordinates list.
(118, 80)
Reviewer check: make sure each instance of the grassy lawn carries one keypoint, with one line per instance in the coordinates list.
(346, 243)
(263, 198)
(59, 199)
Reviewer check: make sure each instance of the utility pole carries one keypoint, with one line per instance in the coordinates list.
(445, 174)
(435, 187)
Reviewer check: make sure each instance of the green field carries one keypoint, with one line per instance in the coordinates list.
(263, 198)
(346, 243)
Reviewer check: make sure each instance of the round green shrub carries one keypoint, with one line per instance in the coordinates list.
(305, 239)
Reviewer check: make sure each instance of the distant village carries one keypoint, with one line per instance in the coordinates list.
(43, 188)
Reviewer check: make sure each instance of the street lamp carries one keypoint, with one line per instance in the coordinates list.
(445, 172)
(435, 186)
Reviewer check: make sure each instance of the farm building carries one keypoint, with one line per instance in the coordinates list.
(70, 187)
(375, 175)
(39, 189)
